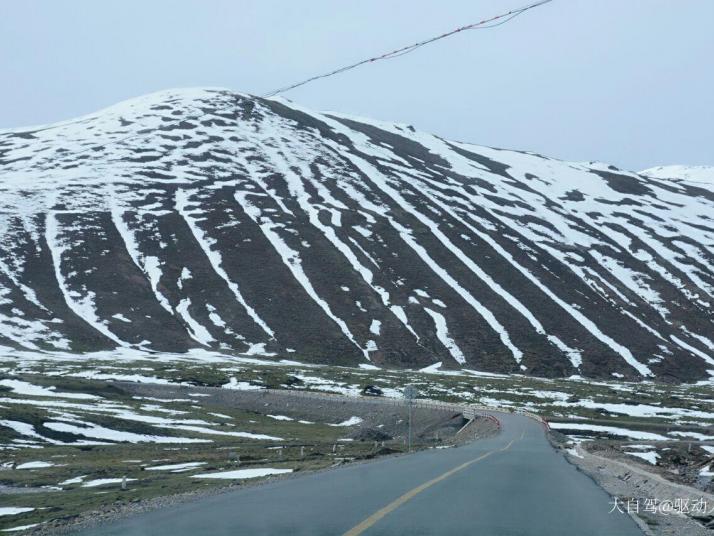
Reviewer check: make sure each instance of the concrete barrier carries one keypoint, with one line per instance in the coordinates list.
(469, 411)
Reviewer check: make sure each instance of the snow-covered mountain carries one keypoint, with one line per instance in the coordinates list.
(211, 219)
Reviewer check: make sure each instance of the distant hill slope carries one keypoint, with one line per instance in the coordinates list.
(700, 174)
(207, 218)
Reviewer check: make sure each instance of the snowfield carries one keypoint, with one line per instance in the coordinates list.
(13, 510)
(244, 473)
(699, 174)
(612, 430)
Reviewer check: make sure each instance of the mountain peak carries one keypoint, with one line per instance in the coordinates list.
(205, 218)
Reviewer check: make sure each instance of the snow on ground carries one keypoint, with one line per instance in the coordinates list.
(636, 410)
(95, 431)
(530, 160)
(137, 378)
(518, 205)
(131, 355)
(35, 465)
(650, 457)
(540, 392)
(693, 435)
(574, 452)
(547, 395)
(381, 181)
(211, 431)
(623, 432)
(27, 430)
(244, 473)
(214, 256)
(352, 421)
(195, 329)
(105, 481)
(150, 265)
(27, 389)
(703, 174)
(176, 467)
(21, 527)
(705, 357)
(432, 369)
(220, 415)
(322, 384)
(278, 152)
(442, 333)
(233, 383)
(13, 510)
(375, 327)
(292, 260)
(81, 304)
(74, 480)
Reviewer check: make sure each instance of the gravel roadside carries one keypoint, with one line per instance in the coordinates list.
(630, 481)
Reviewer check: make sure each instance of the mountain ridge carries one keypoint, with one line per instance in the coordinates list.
(696, 174)
(204, 218)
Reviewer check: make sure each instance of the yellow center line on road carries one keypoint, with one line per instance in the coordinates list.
(379, 514)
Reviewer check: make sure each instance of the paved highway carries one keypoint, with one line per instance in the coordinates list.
(513, 484)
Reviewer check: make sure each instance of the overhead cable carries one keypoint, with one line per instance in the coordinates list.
(491, 22)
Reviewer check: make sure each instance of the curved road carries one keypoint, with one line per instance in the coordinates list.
(513, 484)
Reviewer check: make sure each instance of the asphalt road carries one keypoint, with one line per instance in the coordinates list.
(513, 484)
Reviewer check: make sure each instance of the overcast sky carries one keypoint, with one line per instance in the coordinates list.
(629, 82)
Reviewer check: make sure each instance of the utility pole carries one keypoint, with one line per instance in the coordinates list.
(410, 393)
(409, 448)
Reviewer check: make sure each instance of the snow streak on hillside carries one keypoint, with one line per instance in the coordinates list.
(211, 219)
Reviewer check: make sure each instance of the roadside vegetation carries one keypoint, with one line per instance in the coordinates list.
(87, 435)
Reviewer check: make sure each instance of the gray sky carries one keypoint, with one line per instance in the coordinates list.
(629, 82)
